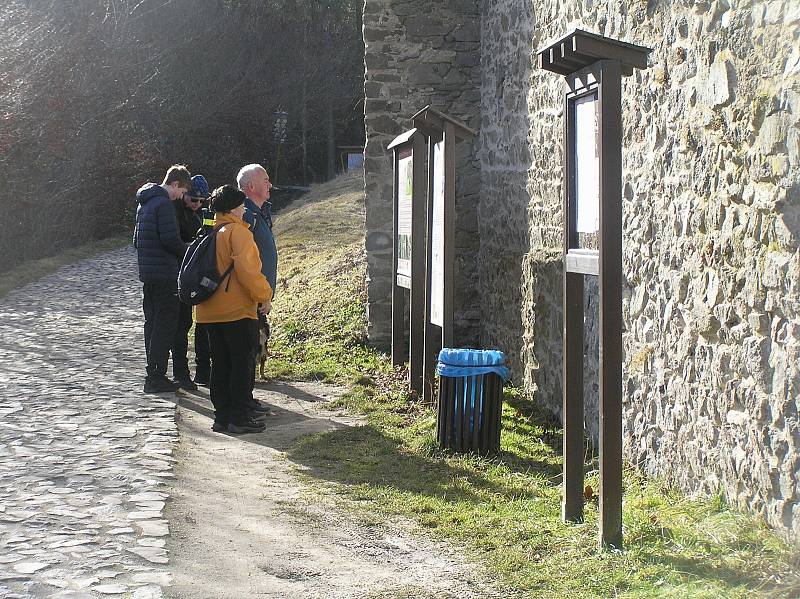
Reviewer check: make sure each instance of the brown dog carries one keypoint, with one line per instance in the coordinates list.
(263, 340)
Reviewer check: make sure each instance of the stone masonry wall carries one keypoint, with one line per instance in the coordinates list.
(711, 186)
(417, 53)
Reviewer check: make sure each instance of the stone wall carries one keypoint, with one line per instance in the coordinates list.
(418, 53)
(711, 209)
(711, 175)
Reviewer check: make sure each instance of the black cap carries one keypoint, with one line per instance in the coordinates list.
(226, 198)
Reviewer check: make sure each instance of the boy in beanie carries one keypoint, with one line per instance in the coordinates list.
(159, 251)
(187, 212)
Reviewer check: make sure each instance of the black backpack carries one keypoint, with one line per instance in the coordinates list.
(198, 277)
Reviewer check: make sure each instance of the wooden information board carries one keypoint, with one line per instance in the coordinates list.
(593, 66)
(424, 242)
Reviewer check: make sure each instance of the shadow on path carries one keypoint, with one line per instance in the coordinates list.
(296, 407)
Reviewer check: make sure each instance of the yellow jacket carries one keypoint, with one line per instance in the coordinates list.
(238, 295)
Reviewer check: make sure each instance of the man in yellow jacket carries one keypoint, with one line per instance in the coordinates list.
(232, 315)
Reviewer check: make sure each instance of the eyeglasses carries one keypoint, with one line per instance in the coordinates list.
(194, 199)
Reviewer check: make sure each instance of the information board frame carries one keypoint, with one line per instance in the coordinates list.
(408, 273)
(437, 232)
(445, 131)
(404, 202)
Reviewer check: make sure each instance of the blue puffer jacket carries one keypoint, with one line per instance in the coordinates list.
(156, 238)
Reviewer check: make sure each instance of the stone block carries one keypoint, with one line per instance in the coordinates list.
(423, 25)
(424, 74)
(468, 32)
(772, 134)
(374, 89)
(386, 77)
(374, 34)
(719, 87)
(375, 61)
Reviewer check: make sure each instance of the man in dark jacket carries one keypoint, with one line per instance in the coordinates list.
(254, 181)
(160, 251)
(187, 212)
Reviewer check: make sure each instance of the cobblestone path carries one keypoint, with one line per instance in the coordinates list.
(83, 453)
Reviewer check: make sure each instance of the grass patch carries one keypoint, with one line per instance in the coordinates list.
(505, 510)
(33, 270)
(320, 327)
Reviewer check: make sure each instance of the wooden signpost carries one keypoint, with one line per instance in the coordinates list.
(443, 132)
(424, 241)
(593, 67)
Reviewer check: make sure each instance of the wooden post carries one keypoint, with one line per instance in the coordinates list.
(572, 497)
(610, 246)
(572, 504)
(449, 231)
(398, 301)
(432, 339)
(418, 242)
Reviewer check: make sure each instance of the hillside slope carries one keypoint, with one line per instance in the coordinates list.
(318, 316)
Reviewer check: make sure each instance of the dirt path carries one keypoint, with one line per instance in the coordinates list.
(243, 524)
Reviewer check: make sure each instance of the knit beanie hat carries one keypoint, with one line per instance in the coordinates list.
(226, 198)
(199, 187)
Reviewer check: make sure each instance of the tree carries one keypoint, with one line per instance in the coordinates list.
(98, 96)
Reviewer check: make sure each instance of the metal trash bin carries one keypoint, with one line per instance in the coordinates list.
(470, 399)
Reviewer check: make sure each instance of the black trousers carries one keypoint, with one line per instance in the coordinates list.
(232, 368)
(160, 307)
(202, 351)
(180, 363)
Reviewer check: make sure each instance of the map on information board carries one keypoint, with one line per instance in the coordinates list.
(405, 185)
(437, 237)
(587, 166)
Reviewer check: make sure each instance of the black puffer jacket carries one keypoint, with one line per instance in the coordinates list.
(189, 221)
(156, 238)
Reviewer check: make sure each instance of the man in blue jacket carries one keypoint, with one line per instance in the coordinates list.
(160, 251)
(254, 181)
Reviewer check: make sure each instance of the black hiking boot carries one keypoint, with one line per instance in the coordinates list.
(256, 406)
(158, 383)
(186, 383)
(258, 416)
(248, 426)
(202, 376)
(219, 427)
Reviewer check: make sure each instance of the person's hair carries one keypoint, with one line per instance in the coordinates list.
(226, 198)
(179, 173)
(246, 173)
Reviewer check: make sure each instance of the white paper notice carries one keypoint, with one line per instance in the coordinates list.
(405, 181)
(437, 237)
(587, 166)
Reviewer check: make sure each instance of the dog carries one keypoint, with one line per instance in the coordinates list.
(263, 340)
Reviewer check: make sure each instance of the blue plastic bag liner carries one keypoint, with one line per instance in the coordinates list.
(472, 362)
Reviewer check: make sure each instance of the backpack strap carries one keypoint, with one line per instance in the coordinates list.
(227, 272)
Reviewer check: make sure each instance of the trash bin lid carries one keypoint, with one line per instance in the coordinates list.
(472, 362)
(471, 357)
